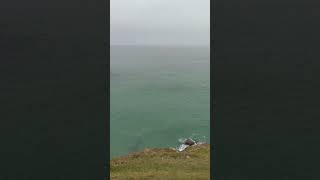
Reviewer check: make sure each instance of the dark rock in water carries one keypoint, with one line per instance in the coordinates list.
(186, 143)
(189, 142)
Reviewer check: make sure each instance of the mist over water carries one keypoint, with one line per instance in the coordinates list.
(157, 96)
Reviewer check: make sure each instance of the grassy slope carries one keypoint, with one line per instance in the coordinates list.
(193, 163)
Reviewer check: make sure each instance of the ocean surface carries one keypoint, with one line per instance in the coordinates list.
(158, 95)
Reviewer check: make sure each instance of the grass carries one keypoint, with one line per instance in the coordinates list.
(163, 163)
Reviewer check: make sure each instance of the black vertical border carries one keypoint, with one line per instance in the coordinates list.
(54, 68)
(212, 94)
(283, 142)
(107, 44)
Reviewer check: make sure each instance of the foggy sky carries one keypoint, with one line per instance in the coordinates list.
(160, 22)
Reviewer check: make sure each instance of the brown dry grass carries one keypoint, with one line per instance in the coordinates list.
(163, 164)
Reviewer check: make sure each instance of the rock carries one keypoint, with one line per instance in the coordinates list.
(185, 144)
(182, 147)
(189, 142)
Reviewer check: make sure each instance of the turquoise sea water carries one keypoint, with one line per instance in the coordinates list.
(158, 95)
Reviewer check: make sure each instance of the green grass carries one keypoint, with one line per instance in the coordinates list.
(163, 163)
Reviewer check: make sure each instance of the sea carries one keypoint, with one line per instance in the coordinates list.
(158, 95)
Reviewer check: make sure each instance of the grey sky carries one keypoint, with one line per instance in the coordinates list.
(160, 22)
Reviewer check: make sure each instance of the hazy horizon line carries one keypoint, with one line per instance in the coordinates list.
(164, 45)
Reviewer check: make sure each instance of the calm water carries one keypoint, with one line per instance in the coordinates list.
(158, 95)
